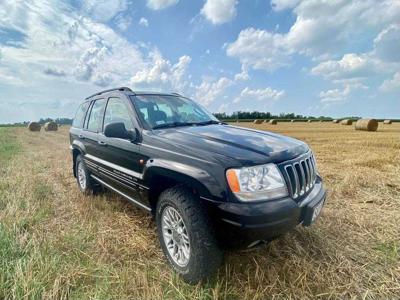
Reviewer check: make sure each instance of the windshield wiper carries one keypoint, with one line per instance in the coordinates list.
(174, 124)
(209, 122)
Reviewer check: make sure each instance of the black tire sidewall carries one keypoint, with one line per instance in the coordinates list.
(80, 160)
(205, 255)
(160, 208)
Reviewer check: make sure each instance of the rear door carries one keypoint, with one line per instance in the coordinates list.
(90, 134)
(76, 136)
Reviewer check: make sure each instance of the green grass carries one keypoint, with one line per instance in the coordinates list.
(9, 145)
(390, 251)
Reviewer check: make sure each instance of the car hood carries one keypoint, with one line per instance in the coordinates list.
(247, 146)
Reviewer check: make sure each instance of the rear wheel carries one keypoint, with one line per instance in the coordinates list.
(85, 182)
(186, 235)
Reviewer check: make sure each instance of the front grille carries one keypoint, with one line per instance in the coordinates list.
(300, 175)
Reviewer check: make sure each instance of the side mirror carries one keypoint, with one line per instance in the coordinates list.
(118, 130)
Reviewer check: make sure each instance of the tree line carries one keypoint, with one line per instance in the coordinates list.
(251, 115)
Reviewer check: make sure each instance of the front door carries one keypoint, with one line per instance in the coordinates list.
(120, 158)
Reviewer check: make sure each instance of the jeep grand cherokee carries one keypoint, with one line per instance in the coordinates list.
(208, 184)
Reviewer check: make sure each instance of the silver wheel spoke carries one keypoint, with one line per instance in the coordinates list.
(81, 176)
(175, 235)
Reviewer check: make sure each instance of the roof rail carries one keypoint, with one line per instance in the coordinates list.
(122, 88)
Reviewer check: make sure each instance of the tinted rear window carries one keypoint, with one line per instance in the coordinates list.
(80, 115)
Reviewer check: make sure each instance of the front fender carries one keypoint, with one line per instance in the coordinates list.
(204, 182)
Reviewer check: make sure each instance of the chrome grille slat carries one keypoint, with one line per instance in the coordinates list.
(291, 184)
(311, 168)
(300, 175)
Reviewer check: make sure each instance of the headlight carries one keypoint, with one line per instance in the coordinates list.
(257, 183)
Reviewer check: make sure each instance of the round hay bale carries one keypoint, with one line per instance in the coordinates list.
(346, 122)
(367, 124)
(258, 121)
(51, 126)
(335, 121)
(387, 122)
(273, 122)
(34, 126)
(292, 121)
(309, 121)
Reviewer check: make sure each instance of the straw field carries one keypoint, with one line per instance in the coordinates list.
(56, 243)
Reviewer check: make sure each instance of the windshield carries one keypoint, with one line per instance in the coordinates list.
(161, 111)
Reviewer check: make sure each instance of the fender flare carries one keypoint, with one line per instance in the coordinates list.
(205, 184)
(76, 146)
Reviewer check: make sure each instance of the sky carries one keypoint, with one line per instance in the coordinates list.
(312, 57)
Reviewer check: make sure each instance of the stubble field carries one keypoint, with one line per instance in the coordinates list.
(57, 243)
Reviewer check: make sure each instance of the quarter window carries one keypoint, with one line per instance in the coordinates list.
(117, 112)
(80, 115)
(96, 115)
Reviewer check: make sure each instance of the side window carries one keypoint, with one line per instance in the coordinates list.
(117, 111)
(80, 115)
(96, 115)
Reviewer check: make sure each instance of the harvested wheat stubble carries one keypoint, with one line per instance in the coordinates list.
(258, 121)
(346, 122)
(367, 125)
(335, 121)
(51, 126)
(387, 122)
(273, 122)
(34, 126)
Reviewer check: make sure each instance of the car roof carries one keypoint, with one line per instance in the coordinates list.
(128, 90)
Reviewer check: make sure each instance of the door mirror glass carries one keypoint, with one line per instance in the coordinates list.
(118, 130)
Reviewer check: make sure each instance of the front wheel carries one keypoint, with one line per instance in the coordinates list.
(186, 235)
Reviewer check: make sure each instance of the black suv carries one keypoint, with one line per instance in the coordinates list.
(208, 184)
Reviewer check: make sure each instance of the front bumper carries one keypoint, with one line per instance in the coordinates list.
(244, 223)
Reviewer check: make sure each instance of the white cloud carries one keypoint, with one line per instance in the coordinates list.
(266, 95)
(123, 22)
(242, 76)
(259, 49)
(160, 72)
(340, 95)
(322, 30)
(387, 44)
(104, 10)
(143, 22)
(283, 4)
(334, 95)
(350, 66)
(208, 91)
(391, 85)
(219, 11)
(63, 55)
(161, 4)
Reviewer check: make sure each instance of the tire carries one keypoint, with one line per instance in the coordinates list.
(85, 182)
(204, 254)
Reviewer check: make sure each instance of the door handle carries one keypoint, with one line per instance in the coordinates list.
(101, 143)
(81, 136)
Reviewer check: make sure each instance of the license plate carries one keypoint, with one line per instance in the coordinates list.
(316, 211)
